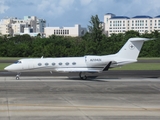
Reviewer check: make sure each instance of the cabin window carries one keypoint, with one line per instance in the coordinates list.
(53, 64)
(46, 64)
(60, 63)
(74, 63)
(67, 63)
(39, 64)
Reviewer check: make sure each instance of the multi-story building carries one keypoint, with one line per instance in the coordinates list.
(14, 26)
(75, 31)
(6, 27)
(121, 24)
(41, 24)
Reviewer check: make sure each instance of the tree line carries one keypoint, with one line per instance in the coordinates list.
(93, 42)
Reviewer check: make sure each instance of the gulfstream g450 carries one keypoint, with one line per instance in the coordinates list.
(83, 65)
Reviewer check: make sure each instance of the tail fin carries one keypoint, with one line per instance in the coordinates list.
(132, 48)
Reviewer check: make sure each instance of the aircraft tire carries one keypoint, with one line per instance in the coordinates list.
(17, 77)
(82, 77)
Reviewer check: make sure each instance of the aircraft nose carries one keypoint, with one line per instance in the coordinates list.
(6, 68)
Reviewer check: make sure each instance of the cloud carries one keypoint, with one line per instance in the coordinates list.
(85, 2)
(3, 7)
(55, 8)
(77, 11)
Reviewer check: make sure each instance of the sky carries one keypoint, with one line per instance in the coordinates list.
(67, 13)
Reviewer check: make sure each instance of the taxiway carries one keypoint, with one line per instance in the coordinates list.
(61, 98)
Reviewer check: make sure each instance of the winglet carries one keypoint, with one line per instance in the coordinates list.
(107, 66)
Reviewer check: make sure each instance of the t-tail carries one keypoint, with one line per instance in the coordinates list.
(132, 48)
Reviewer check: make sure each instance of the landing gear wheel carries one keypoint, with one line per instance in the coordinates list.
(17, 77)
(82, 76)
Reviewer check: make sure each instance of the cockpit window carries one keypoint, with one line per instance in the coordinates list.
(18, 62)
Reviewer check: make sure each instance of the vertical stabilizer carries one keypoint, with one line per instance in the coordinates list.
(132, 48)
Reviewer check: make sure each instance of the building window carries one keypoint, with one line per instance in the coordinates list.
(67, 31)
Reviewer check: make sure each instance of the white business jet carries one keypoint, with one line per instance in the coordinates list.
(83, 65)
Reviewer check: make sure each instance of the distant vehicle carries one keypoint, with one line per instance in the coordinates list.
(83, 65)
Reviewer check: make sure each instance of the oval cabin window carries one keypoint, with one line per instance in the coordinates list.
(67, 63)
(60, 63)
(46, 64)
(74, 63)
(39, 64)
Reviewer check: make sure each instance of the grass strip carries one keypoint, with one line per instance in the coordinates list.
(3, 65)
(139, 66)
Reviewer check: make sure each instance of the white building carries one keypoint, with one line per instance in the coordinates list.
(75, 31)
(121, 24)
(6, 27)
(15, 26)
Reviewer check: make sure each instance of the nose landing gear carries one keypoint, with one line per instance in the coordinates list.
(17, 76)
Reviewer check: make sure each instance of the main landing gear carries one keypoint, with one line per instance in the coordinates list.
(17, 76)
(91, 76)
(82, 76)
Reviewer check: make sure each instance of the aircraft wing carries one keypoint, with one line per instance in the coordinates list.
(76, 70)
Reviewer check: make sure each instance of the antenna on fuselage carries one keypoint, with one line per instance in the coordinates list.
(42, 57)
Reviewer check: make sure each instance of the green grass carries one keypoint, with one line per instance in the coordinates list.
(139, 66)
(149, 58)
(3, 65)
(10, 58)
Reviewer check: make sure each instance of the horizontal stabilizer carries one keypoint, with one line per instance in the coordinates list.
(107, 66)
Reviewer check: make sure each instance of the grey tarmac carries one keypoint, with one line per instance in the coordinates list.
(61, 98)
